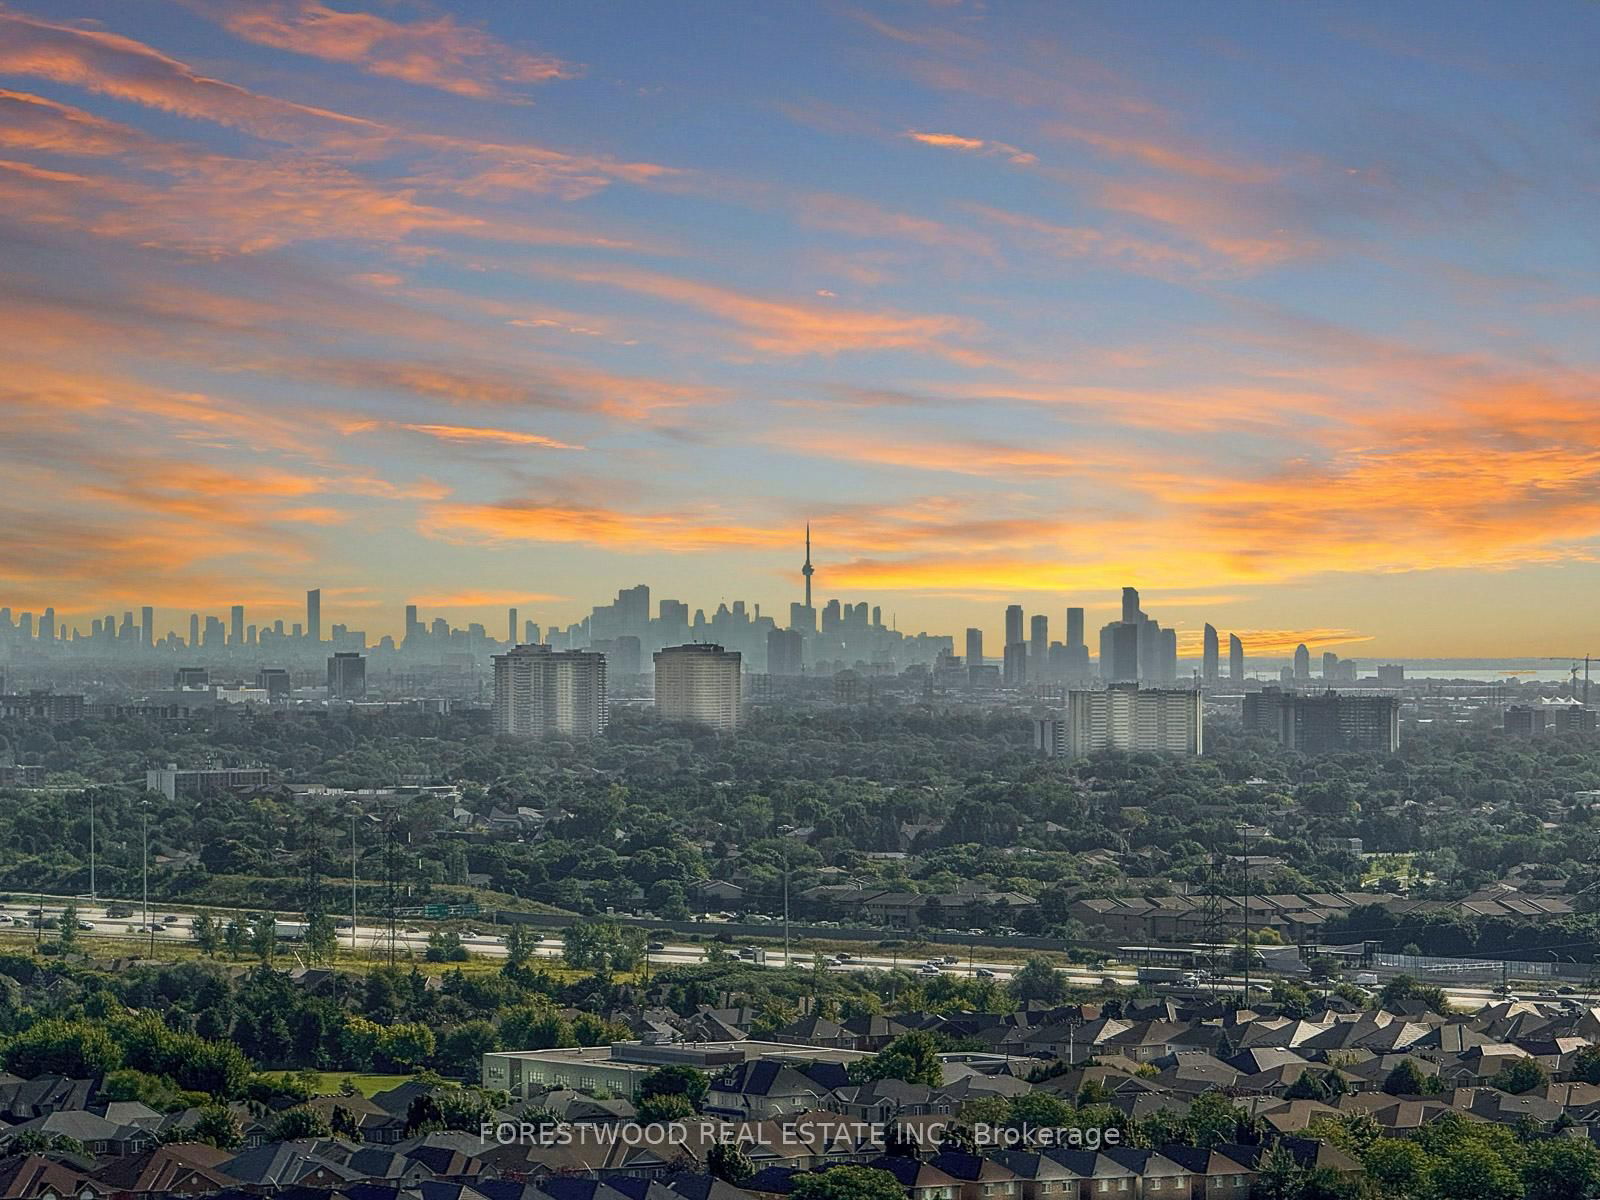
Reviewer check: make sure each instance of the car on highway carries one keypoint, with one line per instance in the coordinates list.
(984, 973)
(655, 947)
(930, 969)
(86, 925)
(950, 960)
(845, 956)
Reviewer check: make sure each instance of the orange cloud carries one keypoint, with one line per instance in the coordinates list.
(128, 70)
(1273, 643)
(951, 141)
(435, 52)
(1165, 156)
(536, 521)
(471, 435)
(859, 218)
(117, 66)
(792, 328)
(977, 456)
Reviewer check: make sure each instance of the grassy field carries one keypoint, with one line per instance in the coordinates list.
(330, 1083)
(102, 949)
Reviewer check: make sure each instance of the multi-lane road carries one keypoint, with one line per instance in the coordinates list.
(172, 925)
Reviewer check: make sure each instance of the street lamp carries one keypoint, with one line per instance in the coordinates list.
(144, 814)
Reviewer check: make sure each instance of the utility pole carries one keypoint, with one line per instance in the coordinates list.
(786, 960)
(352, 883)
(91, 844)
(1248, 953)
(145, 855)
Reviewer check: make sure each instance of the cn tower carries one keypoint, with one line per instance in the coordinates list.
(808, 570)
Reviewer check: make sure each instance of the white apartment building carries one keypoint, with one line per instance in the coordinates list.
(1125, 718)
(700, 682)
(539, 693)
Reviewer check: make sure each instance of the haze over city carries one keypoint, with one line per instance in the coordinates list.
(1290, 322)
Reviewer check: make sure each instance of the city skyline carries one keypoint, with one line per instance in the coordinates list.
(1289, 321)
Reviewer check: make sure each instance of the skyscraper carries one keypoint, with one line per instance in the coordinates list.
(1235, 659)
(1014, 666)
(1014, 634)
(1119, 652)
(1208, 657)
(236, 634)
(1074, 627)
(194, 631)
(1131, 612)
(1038, 645)
(347, 676)
(511, 626)
(974, 647)
(1302, 665)
(784, 649)
(539, 693)
(314, 614)
(1330, 666)
(147, 626)
(700, 682)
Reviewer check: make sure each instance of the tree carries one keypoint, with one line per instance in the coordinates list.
(79, 1049)
(1586, 1065)
(1214, 1120)
(1325, 1086)
(1293, 1001)
(295, 1123)
(676, 1079)
(535, 1026)
(1038, 980)
(463, 1048)
(236, 937)
(1523, 1075)
(207, 933)
(217, 1126)
(322, 938)
(912, 1057)
(445, 946)
(847, 1183)
(1474, 1171)
(664, 1107)
(264, 937)
(519, 950)
(67, 931)
(728, 1162)
(1408, 1079)
(1400, 1168)
(1403, 988)
(1561, 1169)
(579, 945)
(1039, 1110)
(1278, 1176)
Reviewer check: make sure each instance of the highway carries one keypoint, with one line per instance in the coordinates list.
(174, 925)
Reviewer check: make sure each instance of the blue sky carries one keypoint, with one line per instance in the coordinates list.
(1284, 313)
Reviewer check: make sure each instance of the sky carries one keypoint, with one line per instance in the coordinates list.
(1285, 314)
